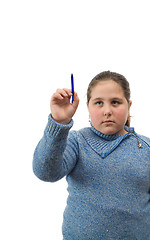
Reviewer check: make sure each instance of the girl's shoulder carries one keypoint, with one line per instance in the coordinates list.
(81, 132)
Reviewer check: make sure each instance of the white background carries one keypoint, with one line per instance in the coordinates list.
(41, 44)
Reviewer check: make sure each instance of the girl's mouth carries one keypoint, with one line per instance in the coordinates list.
(108, 122)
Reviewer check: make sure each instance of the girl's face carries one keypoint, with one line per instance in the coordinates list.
(108, 108)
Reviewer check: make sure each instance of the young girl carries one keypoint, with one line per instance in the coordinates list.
(107, 165)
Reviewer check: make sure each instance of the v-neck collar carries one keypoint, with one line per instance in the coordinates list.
(104, 144)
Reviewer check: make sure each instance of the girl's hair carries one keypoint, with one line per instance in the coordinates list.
(116, 77)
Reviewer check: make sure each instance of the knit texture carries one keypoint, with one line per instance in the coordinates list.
(108, 181)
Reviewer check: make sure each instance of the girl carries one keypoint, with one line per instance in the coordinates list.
(107, 165)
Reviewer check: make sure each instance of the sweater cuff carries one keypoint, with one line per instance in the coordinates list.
(54, 129)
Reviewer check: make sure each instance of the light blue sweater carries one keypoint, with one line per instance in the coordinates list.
(108, 181)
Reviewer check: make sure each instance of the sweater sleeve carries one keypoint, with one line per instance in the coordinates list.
(57, 152)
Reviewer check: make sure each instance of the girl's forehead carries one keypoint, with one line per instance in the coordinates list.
(107, 87)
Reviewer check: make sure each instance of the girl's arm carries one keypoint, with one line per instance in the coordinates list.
(56, 153)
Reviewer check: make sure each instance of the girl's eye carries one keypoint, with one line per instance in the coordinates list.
(115, 103)
(99, 103)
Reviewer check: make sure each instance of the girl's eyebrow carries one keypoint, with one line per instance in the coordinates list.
(97, 99)
(117, 99)
(111, 99)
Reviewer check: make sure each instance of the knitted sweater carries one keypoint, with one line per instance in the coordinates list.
(108, 181)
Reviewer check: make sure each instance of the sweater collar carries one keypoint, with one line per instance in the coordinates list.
(105, 144)
(113, 136)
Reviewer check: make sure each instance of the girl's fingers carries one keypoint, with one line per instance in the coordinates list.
(58, 96)
(61, 94)
(76, 100)
(68, 91)
(64, 92)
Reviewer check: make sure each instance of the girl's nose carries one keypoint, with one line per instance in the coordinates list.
(107, 112)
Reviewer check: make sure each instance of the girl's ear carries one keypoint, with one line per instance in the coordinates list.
(130, 104)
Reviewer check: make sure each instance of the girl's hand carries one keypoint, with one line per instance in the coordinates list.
(61, 109)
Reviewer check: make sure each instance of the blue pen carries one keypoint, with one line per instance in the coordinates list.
(72, 87)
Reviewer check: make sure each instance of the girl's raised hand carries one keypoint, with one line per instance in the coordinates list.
(61, 109)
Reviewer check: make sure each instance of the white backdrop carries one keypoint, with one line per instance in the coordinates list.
(41, 43)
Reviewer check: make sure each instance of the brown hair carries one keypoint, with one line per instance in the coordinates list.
(116, 77)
